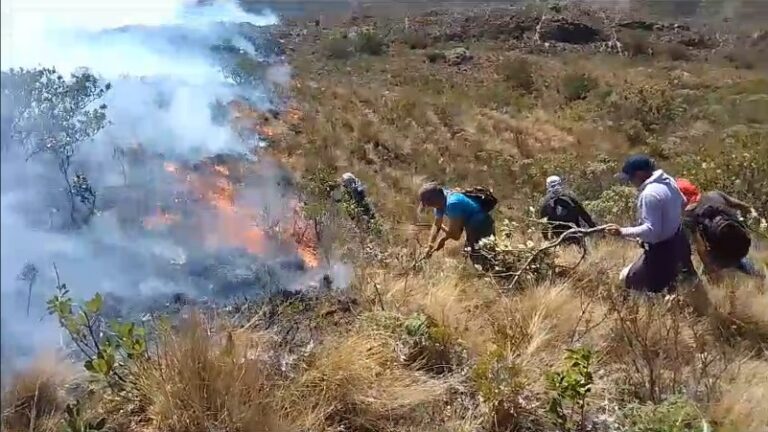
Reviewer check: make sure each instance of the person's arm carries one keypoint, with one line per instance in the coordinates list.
(735, 203)
(703, 252)
(437, 226)
(546, 231)
(650, 208)
(583, 213)
(455, 228)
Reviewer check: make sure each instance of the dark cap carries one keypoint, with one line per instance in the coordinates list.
(635, 164)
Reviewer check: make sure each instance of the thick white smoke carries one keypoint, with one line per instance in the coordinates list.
(165, 77)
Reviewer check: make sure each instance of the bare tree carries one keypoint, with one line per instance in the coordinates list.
(28, 274)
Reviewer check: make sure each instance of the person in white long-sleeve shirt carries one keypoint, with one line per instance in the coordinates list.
(660, 206)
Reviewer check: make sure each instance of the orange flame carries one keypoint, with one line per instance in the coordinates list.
(239, 226)
(170, 167)
(159, 220)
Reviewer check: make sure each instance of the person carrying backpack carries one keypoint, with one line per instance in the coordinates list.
(720, 238)
(562, 211)
(467, 210)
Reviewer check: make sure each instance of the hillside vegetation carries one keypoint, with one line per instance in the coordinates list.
(434, 345)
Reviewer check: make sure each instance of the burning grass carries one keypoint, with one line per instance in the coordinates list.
(234, 222)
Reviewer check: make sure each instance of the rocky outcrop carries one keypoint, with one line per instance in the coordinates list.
(457, 56)
(570, 32)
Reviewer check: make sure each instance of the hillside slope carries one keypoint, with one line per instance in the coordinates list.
(433, 345)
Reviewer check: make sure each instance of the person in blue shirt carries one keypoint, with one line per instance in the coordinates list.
(464, 214)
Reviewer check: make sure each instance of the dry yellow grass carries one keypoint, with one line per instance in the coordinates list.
(34, 399)
(358, 381)
(199, 380)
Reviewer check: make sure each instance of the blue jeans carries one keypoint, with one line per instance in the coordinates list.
(749, 268)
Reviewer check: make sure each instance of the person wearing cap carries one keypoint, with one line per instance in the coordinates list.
(463, 213)
(712, 256)
(354, 191)
(660, 204)
(562, 211)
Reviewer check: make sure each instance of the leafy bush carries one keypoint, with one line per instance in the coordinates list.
(435, 56)
(741, 58)
(498, 381)
(338, 48)
(738, 167)
(676, 52)
(416, 40)
(577, 86)
(570, 387)
(636, 43)
(652, 105)
(369, 42)
(427, 344)
(519, 73)
(615, 205)
(673, 415)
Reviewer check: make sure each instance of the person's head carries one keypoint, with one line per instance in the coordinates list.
(637, 169)
(554, 183)
(348, 179)
(689, 190)
(431, 195)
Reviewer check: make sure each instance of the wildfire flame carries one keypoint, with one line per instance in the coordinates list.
(266, 131)
(237, 225)
(162, 219)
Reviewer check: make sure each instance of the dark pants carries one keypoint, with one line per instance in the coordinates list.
(744, 265)
(661, 265)
(480, 227)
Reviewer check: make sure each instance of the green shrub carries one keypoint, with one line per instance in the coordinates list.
(738, 166)
(577, 86)
(673, 415)
(338, 48)
(369, 42)
(570, 388)
(675, 52)
(416, 40)
(741, 58)
(497, 378)
(428, 345)
(615, 205)
(652, 105)
(518, 72)
(636, 43)
(435, 56)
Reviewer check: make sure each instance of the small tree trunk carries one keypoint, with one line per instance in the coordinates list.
(64, 169)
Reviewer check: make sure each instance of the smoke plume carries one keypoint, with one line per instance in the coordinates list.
(184, 204)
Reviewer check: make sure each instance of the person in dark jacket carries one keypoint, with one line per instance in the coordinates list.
(698, 217)
(562, 211)
(354, 193)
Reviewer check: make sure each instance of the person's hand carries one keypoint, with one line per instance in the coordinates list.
(430, 250)
(613, 230)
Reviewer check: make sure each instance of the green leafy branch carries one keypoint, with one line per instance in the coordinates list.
(105, 346)
(570, 387)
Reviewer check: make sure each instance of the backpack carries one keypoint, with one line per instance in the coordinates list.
(482, 196)
(727, 237)
(560, 208)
